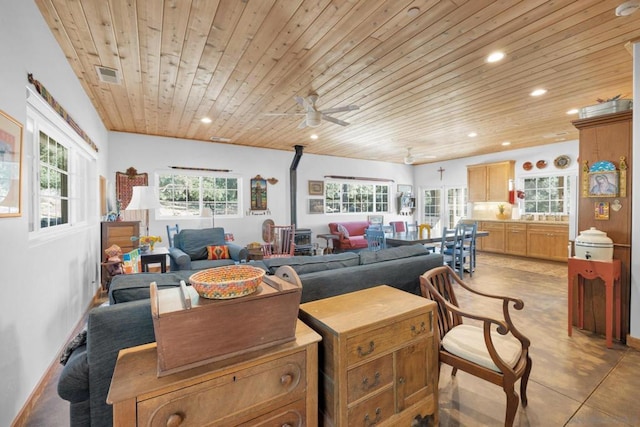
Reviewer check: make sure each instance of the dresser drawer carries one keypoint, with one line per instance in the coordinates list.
(367, 378)
(387, 337)
(293, 415)
(229, 395)
(372, 411)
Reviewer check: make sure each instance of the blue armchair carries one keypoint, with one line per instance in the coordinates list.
(189, 251)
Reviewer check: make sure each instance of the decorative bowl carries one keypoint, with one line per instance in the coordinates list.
(230, 281)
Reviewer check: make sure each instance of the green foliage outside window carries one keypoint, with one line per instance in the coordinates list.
(352, 197)
(189, 195)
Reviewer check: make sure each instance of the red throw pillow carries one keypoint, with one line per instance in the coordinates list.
(218, 252)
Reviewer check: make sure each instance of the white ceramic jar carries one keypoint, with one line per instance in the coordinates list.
(594, 244)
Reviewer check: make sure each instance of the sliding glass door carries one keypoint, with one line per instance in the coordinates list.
(443, 207)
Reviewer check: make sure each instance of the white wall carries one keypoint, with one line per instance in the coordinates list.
(153, 154)
(45, 286)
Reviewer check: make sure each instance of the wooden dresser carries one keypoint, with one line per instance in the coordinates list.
(119, 233)
(378, 357)
(277, 386)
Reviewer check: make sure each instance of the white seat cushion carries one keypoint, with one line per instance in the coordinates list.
(467, 342)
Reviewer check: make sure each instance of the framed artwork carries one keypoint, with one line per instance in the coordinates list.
(603, 179)
(258, 193)
(316, 206)
(316, 188)
(10, 166)
(375, 219)
(405, 189)
(601, 211)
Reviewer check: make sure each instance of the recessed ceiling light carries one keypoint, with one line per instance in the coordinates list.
(495, 56)
(506, 143)
(472, 134)
(413, 11)
(314, 136)
(220, 139)
(573, 111)
(538, 92)
(205, 120)
(627, 8)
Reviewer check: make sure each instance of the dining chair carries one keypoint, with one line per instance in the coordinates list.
(412, 227)
(492, 349)
(468, 231)
(280, 241)
(171, 232)
(376, 239)
(451, 249)
(398, 226)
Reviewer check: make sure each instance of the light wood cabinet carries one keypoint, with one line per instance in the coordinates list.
(547, 241)
(490, 182)
(516, 239)
(116, 233)
(494, 242)
(274, 386)
(378, 357)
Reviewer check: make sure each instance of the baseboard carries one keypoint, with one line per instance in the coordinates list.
(634, 343)
(54, 368)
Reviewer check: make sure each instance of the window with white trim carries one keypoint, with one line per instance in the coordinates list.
(547, 195)
(185, 195)
(63, 171)
(358, 196)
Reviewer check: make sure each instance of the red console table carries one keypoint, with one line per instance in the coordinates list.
(609, 272)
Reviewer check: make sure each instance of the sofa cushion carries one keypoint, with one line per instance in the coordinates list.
(218, 252)
(369, 257)
(74, 379)
(309, 264)
(194, 242)
(210, 263)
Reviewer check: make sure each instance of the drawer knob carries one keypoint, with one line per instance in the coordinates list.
(175, 420)
(416, 331)
(362, 352)
(368, 422)
(376, 381)
(286, 379)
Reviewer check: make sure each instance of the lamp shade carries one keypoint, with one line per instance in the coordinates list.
(143, 198)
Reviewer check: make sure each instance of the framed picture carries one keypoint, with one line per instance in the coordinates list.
(10, 166)
(258, 193)
(316, 188)
(601, 211)
(603, 184)
(405, 189)
(316, 206)
(375, 219)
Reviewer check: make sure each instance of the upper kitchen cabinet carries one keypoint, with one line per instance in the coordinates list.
(489, 182)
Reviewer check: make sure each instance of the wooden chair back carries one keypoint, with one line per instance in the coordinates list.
(280, 241)
(398, 226)
(171, 232)
(376, 239)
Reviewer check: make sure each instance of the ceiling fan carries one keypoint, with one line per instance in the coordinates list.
(410, 159)
(314, 116)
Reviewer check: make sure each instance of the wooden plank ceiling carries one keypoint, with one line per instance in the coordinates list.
(421, 80)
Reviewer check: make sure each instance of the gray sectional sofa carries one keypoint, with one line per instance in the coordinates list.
(127, 322)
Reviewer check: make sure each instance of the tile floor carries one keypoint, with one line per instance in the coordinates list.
(574, 381)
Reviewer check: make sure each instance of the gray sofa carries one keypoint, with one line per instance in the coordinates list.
(127, 322)
(189, 250)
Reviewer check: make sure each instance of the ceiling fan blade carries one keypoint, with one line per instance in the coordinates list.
(334, 120)
(303, 124)
(339, 109)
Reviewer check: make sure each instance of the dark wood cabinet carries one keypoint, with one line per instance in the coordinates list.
(606, 138)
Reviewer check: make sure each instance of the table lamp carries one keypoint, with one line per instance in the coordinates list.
(144, 198)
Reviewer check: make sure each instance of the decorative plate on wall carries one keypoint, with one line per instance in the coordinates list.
(527, 166)
(541, 164)
(562, 162)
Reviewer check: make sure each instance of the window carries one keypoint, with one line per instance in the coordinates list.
(456, 205)
(547, 195)
(440, 213)
(191, 195)
(54, 182)
(351, 197)
(62, 166)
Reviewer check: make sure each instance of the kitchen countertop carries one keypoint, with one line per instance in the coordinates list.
(522, 221)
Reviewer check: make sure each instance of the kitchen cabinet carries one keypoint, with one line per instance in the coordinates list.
(378, 357)
(516, 239)
(490, 182)
(547, 241)
(494, 242)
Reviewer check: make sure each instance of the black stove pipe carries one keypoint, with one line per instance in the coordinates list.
(294, 183)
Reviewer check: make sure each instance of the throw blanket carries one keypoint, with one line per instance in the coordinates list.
(79, 340)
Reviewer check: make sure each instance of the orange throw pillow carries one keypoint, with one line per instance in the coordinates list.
(218, 252)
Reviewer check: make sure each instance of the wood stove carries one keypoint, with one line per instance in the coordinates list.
(302, 241)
